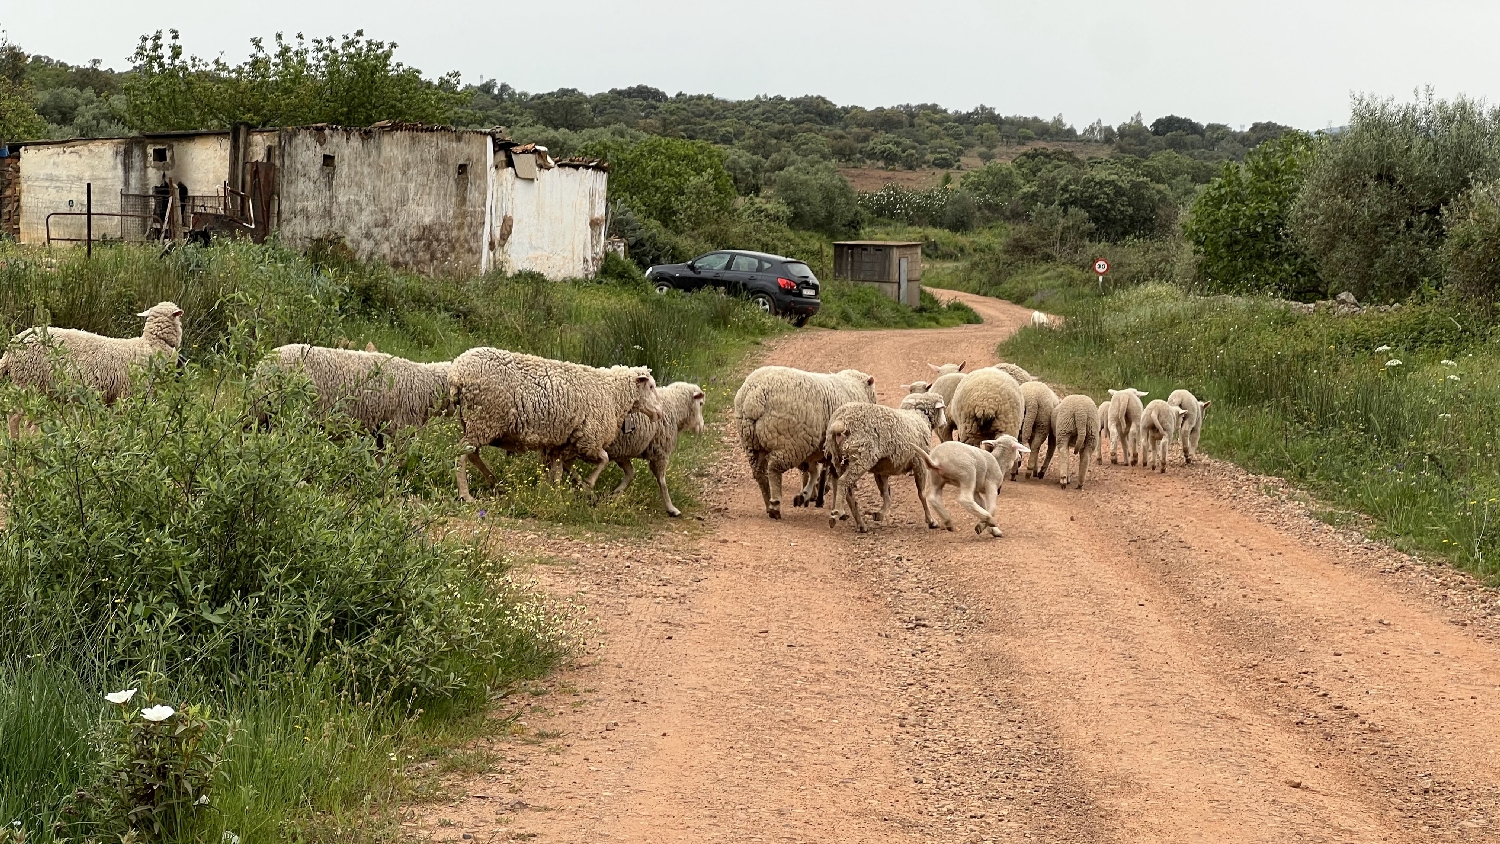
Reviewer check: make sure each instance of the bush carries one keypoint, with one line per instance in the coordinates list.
(849, 305)
(819, 198)
(1471, 252)
(1239, 226)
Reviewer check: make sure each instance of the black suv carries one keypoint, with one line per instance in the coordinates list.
(782, 286)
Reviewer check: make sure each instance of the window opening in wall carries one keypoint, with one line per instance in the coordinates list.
(463, 169)
(159, 154)
(327, 161)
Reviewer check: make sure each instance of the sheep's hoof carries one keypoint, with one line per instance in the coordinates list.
(932, 525)
(843, 516)
(774, 512)
(1188, 461)
(800, 500)
(833, 520)
(1114, 461)
(467, 499)
(674, 512)
(863, 529)
(1064, 483)
(879, 517)
(948, 527)
(979, 528)
(995, 532)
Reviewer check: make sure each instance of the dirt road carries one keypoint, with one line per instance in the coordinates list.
(1156, 658)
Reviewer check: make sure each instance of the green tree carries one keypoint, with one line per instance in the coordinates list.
(1371, 211)
(679, 183)
(1471, 251)
(994, 187)
(353, 81)
(19, 120)
(1121, 202)
(819, 198)
(1239, 224)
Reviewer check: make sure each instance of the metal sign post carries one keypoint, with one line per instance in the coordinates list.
(1101, 267)
(88, 220)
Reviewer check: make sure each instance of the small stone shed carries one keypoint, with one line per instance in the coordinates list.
(893, 266)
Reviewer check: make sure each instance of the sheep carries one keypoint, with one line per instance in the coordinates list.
(986, 404)
(1124, 424)
(1075, 429)
(1158, 423)
(1192, 422)
(1038, 402)
(1039, 320)
(1103, 432)
(100, 363)
(874, 438)
(382, 392)
(945, 386)
(1016, 372)
(655, 439)
(916, 387)
(527, 403)
(977, 472)
(782, 415)
(947, 368)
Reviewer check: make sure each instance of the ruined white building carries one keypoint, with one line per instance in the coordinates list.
(429, 199)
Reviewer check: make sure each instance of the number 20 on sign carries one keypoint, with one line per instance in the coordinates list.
(1101, 267)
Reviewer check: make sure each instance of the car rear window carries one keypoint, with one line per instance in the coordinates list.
(800, 271)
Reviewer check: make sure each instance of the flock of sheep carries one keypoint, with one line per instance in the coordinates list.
(828, 425)
(986, 422)
(564, 411)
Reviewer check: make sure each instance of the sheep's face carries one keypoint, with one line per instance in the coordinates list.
(695, 413)
(916, 387)
(860, 376)
(1008, 452)
(646, 400)
(164, 320)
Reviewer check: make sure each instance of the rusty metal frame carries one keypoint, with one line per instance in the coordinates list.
(48, 223)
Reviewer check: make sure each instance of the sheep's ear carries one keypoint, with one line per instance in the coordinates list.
(177, 313)
(934, 367)
(1142, 393)
(870, 379)
(1204, 405)
(961, 365)
(906, 386)
(1021, 449)
(1112, 393)
(643, 379)
(698, 396)
(939, 406)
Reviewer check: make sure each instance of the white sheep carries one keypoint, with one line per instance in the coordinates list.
(1075, 429)
(1038, 402)
(944, 386)
(1039, 320)
(527, 403)
(1124, 424)
(656, 439)
(1016, 372)
(986, 404)
(382, 392)
(977, 472)
(782, 415)
(875, 439)
(1103, 432)
(941, 369)
(103, 364)
(1192, 421)
(916, 387)
(1158, 423)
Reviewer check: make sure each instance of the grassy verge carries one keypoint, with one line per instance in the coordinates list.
(1393, 414)
(848, 305)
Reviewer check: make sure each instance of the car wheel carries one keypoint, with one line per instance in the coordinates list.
(801, 320)
(664, 288)
(763, 301)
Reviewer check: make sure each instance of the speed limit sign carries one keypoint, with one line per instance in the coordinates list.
(1101, 266)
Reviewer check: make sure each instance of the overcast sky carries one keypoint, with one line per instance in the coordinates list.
(1291, 61)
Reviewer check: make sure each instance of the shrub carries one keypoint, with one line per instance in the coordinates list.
(1471, 252)
(819, 198)
(1239, 225)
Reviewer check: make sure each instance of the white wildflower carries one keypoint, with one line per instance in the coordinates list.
(201, 801)
(158, 713)
(230, 838)
(121, 697)
(1447, 362)
(1445, 416)
(1452, 377)
(1393, 362)
(1382, 348)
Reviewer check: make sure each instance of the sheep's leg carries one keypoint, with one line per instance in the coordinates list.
(804, 497)
(883, 483)
(822, 484)
(1162, 455)
(936, 484)
(1083, 467)
(627, 469)
(986, 520)
(845, 481)
(758, 468)
(659, 469)
(1067, 465)
(1190, 449)
(1051, 450)
(462, 472)
(14, 423)
(600, 461)
(919, 474)
(1115, 445)
(774, 472)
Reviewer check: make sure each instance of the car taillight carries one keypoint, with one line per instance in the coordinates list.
(786, 284)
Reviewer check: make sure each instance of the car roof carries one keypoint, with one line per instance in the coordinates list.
(768, 256)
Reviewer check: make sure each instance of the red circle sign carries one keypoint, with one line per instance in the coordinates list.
(1101, 266)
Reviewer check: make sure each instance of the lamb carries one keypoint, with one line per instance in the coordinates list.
(527, 403)
(102, 364)
(1075, 429)
(874, 438)
(986, 404)
(1016, 372)
(782, 415)
(977, 472)
(1038, 402)
(916, 387)
(381, 392)
(1159, 422)
(1103, 432)
(947, 368)
(1192, 421)
(656, 439)
(1124, 424)
(1039, 320)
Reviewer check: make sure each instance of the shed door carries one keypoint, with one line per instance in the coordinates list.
(901, 270)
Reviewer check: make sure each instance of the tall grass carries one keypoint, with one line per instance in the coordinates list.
(1317, 398)
(849, 305)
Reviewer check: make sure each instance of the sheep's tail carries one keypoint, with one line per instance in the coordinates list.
(835, 445)
(927, 458)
